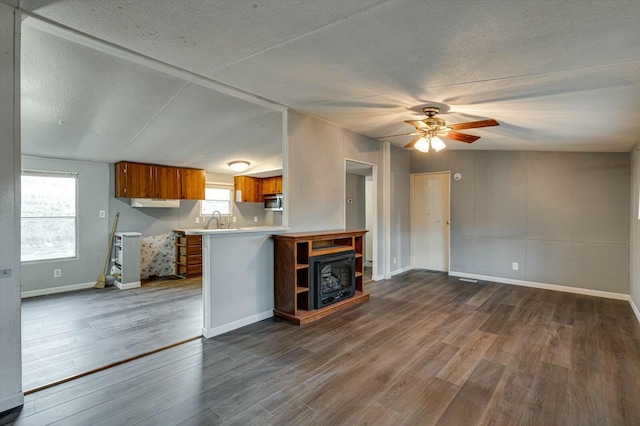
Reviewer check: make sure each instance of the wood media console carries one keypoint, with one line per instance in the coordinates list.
(293, 253)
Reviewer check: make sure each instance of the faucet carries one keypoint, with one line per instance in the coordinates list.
(218, 219)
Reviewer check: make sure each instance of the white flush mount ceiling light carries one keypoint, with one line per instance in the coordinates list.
(239, 166)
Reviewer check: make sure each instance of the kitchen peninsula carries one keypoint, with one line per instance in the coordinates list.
(237, 276)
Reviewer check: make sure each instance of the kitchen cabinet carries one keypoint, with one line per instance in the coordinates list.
(133, 180)
(193, 184)
(272, 185)
(248, 189)
(188, 254)
(166, 182)
(138, 180)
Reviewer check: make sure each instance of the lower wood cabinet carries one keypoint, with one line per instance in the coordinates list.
(188, 254)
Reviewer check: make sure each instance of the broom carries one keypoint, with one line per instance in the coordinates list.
(103, 277)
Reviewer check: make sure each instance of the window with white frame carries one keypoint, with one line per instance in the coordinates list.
(48, 216)
(217, 197)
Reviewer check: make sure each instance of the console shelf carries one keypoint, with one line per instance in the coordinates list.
(292, 253)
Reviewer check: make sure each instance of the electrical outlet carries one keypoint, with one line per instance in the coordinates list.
(102, 214)
(255, 218)
(57, 273)
(394, 260)
(514, 266)
(197, 220)
(234, 219)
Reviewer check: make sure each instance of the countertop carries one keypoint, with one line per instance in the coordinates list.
(239, 230)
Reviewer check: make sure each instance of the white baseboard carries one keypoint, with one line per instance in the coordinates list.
(634, 307)
(555, 287)
(377, 277)
(54, 290)
(400, 271)
(221, 329)
(11, 401)
(126, 286)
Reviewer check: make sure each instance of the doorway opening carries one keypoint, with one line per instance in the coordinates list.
(430, 218)
(360, 211)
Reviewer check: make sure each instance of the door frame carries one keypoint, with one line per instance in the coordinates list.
(412, 219)
(374, 231)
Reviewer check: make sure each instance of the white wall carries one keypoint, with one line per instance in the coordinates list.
(238, 288)
(400, 234)
(634, 284)
(316, 154)
(563, 216)
(10, 355)
(93, 231)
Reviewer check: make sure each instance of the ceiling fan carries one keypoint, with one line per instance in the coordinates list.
(429, 131)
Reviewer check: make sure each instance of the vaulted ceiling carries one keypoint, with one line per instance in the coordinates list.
(561, 75)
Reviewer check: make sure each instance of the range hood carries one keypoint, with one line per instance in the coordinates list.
(154, 202)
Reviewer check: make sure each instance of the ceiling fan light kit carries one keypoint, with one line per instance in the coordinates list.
(422, 144)
(431, 129)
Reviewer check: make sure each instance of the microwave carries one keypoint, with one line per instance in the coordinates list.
(273, 202)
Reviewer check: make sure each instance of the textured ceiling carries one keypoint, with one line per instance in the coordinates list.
(559, 75)
(82, 104)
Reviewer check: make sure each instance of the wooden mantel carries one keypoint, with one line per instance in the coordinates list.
(292, 274)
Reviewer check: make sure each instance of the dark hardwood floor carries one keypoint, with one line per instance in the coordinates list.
(425, 350)
(71, 333)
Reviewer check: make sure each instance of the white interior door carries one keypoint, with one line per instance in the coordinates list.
(430, 221)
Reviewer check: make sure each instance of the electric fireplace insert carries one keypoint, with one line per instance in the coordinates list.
(333, 278)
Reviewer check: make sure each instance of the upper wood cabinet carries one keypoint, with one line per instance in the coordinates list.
(250, 189)
(193, 184)
(166, 182)
(253, 189)
(272, 185)
(136, 180)
(133, 180)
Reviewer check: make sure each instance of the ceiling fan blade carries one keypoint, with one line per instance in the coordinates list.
(413, 142)
(474, 124)
(400, 134)
(462, 137)
(417, 124)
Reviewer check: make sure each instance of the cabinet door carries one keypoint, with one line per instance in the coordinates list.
(121, 179)
(193, 184)
(278, 184)
(249, 188)
(268, 186)
(138, 180)
(167, 182)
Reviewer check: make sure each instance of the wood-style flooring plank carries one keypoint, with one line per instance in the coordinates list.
(67, 334)
(426, 349)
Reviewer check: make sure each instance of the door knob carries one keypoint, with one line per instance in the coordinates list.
(447, 222)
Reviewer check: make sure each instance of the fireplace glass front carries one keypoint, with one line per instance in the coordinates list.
(333, 278)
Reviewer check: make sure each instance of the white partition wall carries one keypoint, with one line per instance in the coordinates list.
(10, 362)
